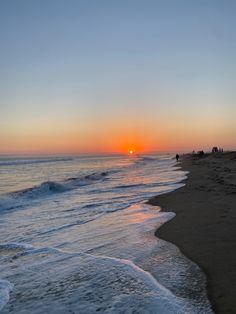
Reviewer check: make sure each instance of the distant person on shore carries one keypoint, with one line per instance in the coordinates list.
(177, 157)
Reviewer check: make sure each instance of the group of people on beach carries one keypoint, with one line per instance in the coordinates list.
(200, 153)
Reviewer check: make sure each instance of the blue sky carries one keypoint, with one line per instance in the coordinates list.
(78, 68)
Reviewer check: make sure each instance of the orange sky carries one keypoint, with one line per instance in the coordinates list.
(114, 137)
(115, 76)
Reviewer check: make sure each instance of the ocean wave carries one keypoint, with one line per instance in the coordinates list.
(160, 161)
(5, 288)
(63, 227)
(16, 162)
(125, 186)
(37, 190)
(12, 246)
(149, 158)
(150, 185)
(9, 201)
(144, 159)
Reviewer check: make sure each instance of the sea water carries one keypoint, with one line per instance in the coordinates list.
(78, 237)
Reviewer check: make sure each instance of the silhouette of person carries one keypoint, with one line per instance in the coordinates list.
(177, 157)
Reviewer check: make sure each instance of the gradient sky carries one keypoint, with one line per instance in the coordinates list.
(93, 76)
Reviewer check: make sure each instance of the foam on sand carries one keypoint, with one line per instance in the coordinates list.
(121, 286)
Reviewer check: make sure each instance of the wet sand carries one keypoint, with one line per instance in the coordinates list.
(205, 225)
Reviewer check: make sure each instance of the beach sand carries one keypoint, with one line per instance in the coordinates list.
(205, 225)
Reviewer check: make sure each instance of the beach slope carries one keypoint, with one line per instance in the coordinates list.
(205, 225)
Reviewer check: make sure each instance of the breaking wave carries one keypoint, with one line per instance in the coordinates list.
(9, 201)
(5, 288)
(12, 246)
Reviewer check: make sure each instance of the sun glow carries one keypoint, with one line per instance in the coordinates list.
(131, 152)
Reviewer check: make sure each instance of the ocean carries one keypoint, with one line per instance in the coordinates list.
(76, 236)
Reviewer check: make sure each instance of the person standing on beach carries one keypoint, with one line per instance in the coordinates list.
(177, 157)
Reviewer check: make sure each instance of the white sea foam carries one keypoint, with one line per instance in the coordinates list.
(121, 286)
(5, 288)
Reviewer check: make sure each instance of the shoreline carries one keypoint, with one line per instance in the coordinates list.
(204, 228)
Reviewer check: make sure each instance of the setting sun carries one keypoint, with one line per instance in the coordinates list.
(131, 152)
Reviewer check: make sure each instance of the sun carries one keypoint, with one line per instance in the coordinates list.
(131, 152)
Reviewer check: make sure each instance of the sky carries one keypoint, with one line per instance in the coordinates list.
(83, 76)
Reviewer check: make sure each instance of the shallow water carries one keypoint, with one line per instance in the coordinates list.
(77, 237)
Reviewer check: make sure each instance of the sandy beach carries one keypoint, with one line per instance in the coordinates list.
(205, 224)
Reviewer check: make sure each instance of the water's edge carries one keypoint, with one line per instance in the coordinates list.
(156, 233)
